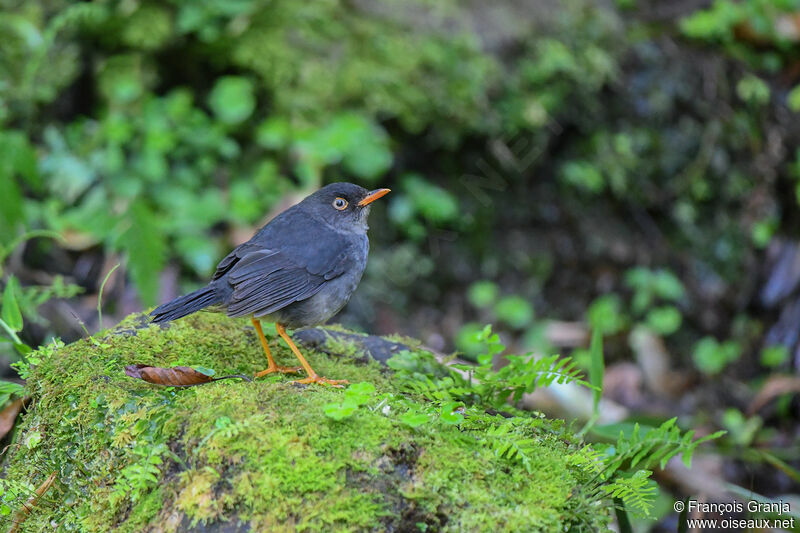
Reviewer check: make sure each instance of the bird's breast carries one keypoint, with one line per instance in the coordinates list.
(332, 296)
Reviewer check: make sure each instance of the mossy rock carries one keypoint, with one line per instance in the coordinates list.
(236, 456)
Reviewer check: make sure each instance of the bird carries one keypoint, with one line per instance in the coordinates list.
(297, 271)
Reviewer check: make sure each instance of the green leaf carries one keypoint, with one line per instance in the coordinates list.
(711, 356)
(361, 389)
(9, 391)
(753, 90)
(120, 78)
(763, 230)
(11, 314)
(339, 411)
(274, 133)
(199, 252)
(356, 395)
(467, 341)
(369, 161)
(11, 214)
(492, 344)
(146, 247)
(359, 393)
(514, 311)
(22, 348)
(713, 24)
(482, 294)
(664, 320)
(433, 203)
(68, 175)
(414, 418)
(583, 175)
(32, 440)
(205, 371)
(243, 209)
(605, 314)
(793, 99)
(449, 414)
(232, 99)
(774, 356)
(16, 150)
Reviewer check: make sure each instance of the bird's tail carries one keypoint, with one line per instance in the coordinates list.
(185, 305)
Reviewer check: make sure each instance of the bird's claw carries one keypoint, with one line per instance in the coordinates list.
(279, 369)
(338, 383)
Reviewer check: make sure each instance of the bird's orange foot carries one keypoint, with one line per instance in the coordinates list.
(313, 378)
(280, 369)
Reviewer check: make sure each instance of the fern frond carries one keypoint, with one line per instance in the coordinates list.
(651, 446)
(636, 492)
(588, 459)
(432, 389)
(508, 440)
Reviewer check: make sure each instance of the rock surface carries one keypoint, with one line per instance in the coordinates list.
(233, 456)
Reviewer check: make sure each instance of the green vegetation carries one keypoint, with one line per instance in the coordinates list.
(18, 302)
(757, 20)
(129, 454)
(158, 156)
(456, 393)
(711, 356)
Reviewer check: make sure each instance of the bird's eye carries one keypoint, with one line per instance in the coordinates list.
(340, 203)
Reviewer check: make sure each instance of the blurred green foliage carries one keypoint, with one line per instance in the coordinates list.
(605, 314)
(726, 21)
(513, 312)
(422, 205)
(20, 304)
(711, 356)
(774, 356)
(482, 294)
(155, 122)
(140, 127)
(743, 430)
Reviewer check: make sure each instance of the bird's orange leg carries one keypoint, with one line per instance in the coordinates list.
(272, 367)
(312, 376)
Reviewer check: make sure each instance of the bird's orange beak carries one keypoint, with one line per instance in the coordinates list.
(372, 196)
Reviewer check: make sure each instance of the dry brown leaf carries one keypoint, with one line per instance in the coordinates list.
(774, 387)
(9, 415)
(22, 514)
(176, 376)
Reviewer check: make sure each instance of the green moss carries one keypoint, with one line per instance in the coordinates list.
(343, 346)
(130, 454)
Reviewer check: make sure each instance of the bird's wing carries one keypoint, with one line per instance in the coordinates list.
(290, 228)
(232, 258)
(266, 280)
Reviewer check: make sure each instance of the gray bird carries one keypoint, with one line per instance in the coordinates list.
(299, 270)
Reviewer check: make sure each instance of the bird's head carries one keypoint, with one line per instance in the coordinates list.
(345, 206)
